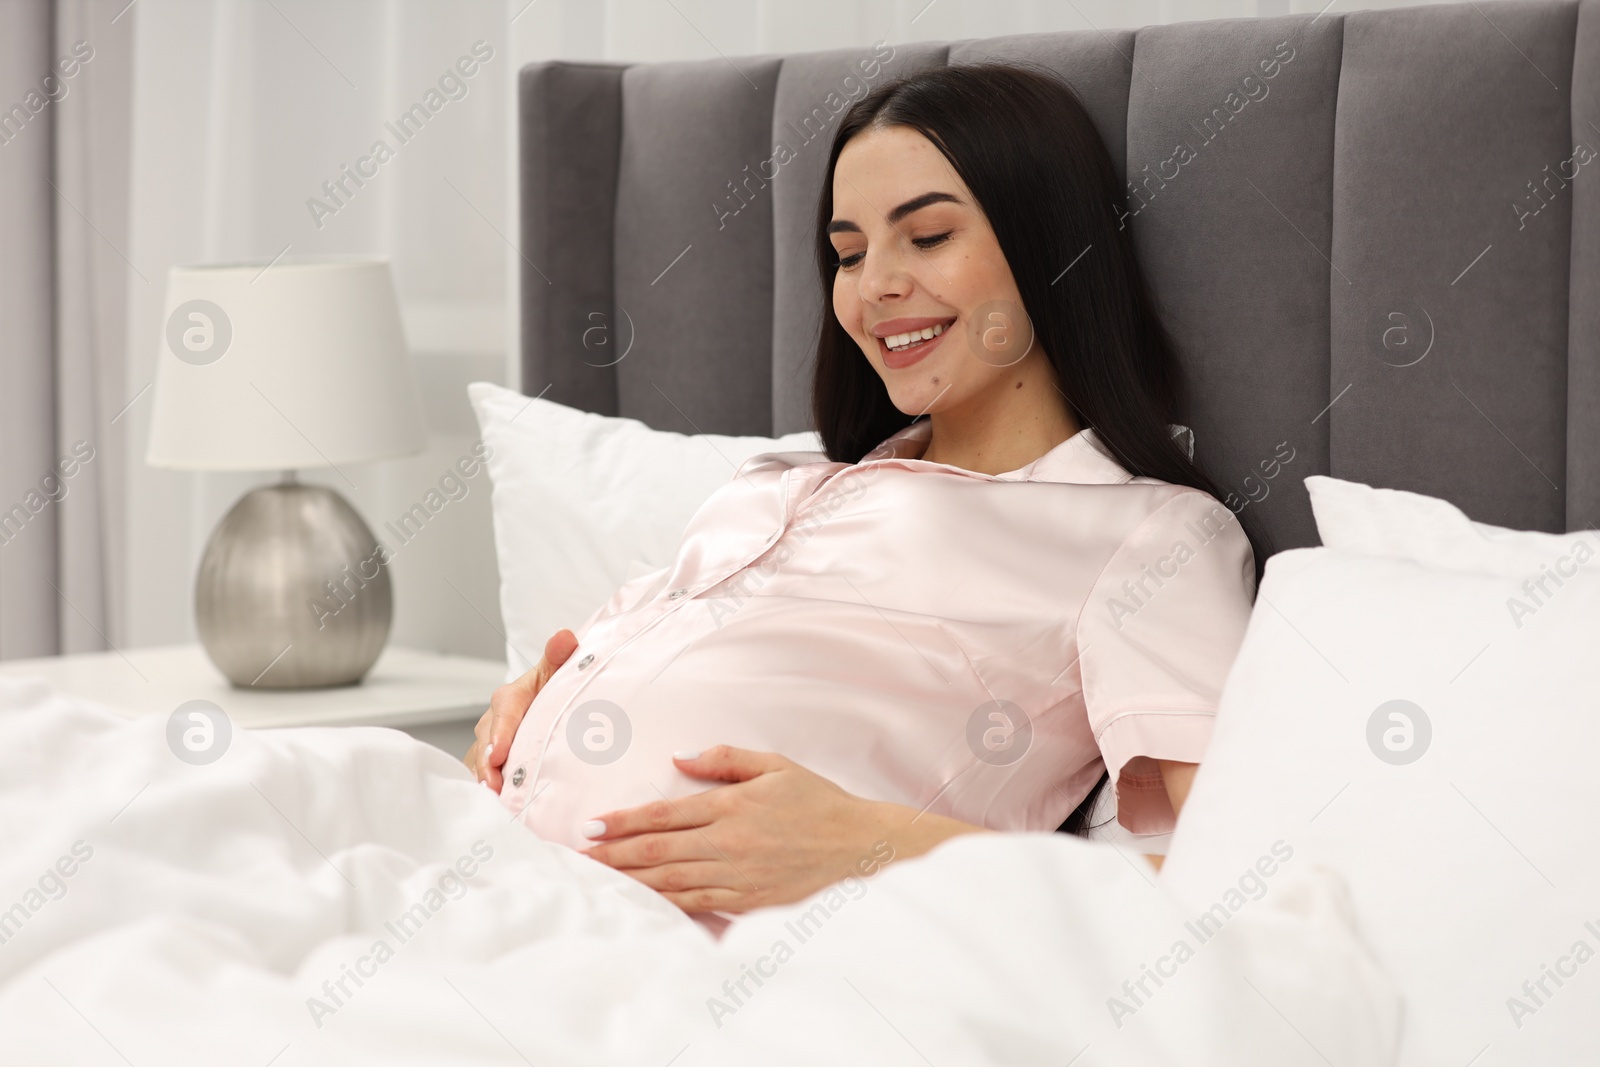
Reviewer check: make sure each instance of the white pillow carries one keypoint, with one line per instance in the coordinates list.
(1355, 517)
(1471, 867)
(584, 502)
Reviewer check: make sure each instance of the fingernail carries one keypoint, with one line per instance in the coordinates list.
(594, 828)
(686, 755)
(487, 752)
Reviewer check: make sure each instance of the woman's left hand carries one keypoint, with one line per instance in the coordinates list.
(776, 834)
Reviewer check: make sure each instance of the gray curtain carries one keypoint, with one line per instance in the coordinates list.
(65, 83)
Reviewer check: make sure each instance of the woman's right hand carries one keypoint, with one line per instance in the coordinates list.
(507, 707)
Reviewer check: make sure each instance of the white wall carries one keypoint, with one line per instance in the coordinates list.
(242, 109)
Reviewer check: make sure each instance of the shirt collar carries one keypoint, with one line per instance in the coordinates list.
(1080, 458)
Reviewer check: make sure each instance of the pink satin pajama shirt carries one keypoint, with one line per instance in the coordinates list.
(982, 646)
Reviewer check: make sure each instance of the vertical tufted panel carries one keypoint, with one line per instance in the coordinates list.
(1583, 314)
(804, 120)
(1230, 170)
(1446, 114)
(694, 246)
(570, 131)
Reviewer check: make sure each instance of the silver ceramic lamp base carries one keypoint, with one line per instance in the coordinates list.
(293, 592)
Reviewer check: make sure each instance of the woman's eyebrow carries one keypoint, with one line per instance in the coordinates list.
(916, 203)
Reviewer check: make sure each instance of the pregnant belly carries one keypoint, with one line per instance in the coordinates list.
(877, 702)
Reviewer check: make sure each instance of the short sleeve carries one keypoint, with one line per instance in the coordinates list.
(629, 595)
(1157, 636)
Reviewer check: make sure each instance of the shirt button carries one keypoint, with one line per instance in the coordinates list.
(585, 661)
(676, 593)
(518, 775)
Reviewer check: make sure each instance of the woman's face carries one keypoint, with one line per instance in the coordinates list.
(917, 255)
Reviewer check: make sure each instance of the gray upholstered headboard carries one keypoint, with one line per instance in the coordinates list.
(1386, 254)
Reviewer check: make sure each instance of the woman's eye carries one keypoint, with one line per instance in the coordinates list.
(924, 243)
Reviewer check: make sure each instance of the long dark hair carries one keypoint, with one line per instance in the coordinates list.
(1030, 154)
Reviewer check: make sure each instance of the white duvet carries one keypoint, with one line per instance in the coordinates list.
(352, 896)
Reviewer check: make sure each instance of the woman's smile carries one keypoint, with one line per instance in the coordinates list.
(904, 341)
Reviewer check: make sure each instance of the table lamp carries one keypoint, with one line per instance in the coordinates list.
(279, 368)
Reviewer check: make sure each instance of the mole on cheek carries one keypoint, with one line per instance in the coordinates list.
(1019, 385)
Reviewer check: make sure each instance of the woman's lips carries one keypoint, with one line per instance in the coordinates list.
(905, 357)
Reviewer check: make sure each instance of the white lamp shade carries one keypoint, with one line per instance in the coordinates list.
(299, 365)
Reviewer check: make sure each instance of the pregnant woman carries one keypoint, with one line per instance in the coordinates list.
(1002, 585)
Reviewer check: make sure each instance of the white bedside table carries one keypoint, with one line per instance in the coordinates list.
(433, 697)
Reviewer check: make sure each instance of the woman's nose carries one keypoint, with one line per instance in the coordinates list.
(884, 277)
